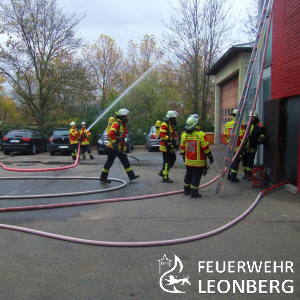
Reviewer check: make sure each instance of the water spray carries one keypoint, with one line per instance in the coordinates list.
(125, 92)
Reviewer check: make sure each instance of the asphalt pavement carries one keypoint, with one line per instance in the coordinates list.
(217, 267)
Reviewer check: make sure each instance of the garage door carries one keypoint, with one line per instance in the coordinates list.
(229, 102)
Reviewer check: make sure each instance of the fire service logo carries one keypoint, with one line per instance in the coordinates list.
(171, 281)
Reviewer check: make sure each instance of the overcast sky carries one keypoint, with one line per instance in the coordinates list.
(126, 19)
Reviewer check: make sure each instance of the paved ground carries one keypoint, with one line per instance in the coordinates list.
(34, 267)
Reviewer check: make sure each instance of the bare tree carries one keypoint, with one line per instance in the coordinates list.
(38, 33)
(104, 61)
(249, 20)
(198, 32)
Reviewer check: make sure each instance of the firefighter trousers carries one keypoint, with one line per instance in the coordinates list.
(248, 161)
(168, 162)
(111, 156)
(192, 178)
(235, 166)
(74, 150)
(85, 148)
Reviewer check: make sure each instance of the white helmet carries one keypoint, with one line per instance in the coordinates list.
(83, 123)
(122, 112)
(171, 114)
(255, 114)
(234, 112)
(72, 123)
(191, 123)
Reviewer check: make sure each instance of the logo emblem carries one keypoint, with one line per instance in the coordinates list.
(168, 281)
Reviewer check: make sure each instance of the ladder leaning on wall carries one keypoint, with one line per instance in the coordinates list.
(253, 63)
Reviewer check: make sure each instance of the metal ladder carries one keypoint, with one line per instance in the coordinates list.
(253, 63)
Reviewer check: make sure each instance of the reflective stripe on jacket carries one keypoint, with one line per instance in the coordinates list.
(228, 131)
(73, 135)
(196, 148)
(85, 140)
(166, 133)
(118, 129)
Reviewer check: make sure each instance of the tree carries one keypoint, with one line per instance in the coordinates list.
(249, 21)
(197, 32)
(104, 61)
(38, 33)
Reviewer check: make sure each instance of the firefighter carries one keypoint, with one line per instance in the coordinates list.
(74, 138)
(116, 146)
(255, 137)
(168, 144)
(232, 175)
(85, 140)
(194, 150)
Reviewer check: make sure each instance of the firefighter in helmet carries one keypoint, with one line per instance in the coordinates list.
(116, 146)
(194, 150)
(85, 136)
(168, 144)
(74, 138)
(232, 175)
(255, 137)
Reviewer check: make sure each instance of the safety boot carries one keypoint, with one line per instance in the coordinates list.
(168, 180)
(195, 193)
(249, 176)
(92, 157)
(103, 178)
(161, 173)
(187, 190)
(234, 179)
(134, 177)
(245, 174)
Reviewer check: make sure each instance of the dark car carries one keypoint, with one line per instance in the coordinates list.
(153, 143)
(103, 141)
(59, 141)
(30, 141)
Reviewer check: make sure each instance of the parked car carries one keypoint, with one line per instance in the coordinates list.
(153, 143)
(26, 140)
(59, 141)
(103, 141)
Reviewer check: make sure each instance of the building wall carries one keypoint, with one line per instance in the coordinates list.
(235, 68)
(286, 49)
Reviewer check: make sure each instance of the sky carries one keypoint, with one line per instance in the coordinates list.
(126, 19)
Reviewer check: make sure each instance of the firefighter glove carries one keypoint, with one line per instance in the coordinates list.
(211, 159)
(115, 146)
(204, 172)
(183, 156)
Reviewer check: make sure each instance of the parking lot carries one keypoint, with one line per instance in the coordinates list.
(35, 267)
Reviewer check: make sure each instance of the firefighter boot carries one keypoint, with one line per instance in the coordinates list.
(187, 190)
(168, 180)
(245, 174)
(233, 178)
(132, 176)
(92, 157)
(161, 173)
(195, 193)
(103, 177)
(249, 175)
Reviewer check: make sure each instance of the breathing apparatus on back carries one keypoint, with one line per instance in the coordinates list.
(110, 121)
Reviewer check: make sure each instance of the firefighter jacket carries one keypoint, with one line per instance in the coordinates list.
(117, 134)
(85, 134)
(167, 135)
(195, 146)
(255, 137)
(228, 132)
(73, 135)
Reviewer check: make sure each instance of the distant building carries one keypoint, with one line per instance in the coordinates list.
(279, 98)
